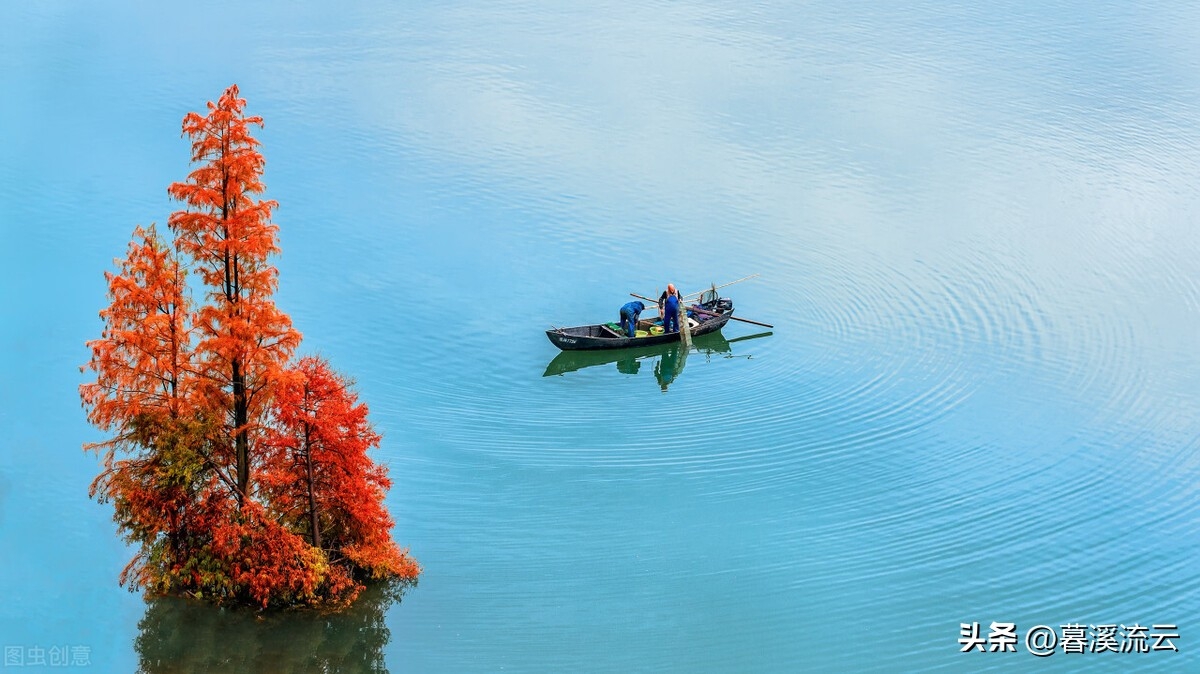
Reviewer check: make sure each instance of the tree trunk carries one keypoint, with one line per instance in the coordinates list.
(240, 436)
(312, 498)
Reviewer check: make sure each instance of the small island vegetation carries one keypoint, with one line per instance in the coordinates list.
(239, 472)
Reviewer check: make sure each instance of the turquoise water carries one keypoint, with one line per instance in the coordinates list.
(975, 229)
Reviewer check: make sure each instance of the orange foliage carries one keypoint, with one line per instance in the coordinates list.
(195, 397)
(143, 394)
(318, 477)
(143, 357)
(244, 339)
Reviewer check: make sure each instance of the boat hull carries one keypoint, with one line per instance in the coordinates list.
(572, 361)
(597, 337)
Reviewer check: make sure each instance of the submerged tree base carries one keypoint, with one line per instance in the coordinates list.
(179, 635)
(251, 559)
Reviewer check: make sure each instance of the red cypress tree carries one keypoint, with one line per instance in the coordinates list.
(187, 396)
(319, 479)
(244, 340)
(143, 357)
(143, 395)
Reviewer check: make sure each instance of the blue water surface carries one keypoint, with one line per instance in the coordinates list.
(975, 229)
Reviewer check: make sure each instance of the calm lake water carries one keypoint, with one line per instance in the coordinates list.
(976, 234)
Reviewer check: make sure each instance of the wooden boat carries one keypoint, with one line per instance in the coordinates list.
(573, 361)
(709, 317)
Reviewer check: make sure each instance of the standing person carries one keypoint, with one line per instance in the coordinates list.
(629, 317)
(662, 299)
(670, 310)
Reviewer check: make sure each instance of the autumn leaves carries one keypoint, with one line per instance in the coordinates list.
(239, 474)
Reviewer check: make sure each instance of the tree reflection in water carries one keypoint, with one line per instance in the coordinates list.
(182, 635)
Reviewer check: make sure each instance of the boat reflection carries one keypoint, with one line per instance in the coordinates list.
(668, 359)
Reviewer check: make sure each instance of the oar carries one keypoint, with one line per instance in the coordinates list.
(719, 287)
(736, 318)
(710, 313)
(754, 336)
(684, 297)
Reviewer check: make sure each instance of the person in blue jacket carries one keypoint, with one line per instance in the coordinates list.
(629, 317)
(670, 310)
